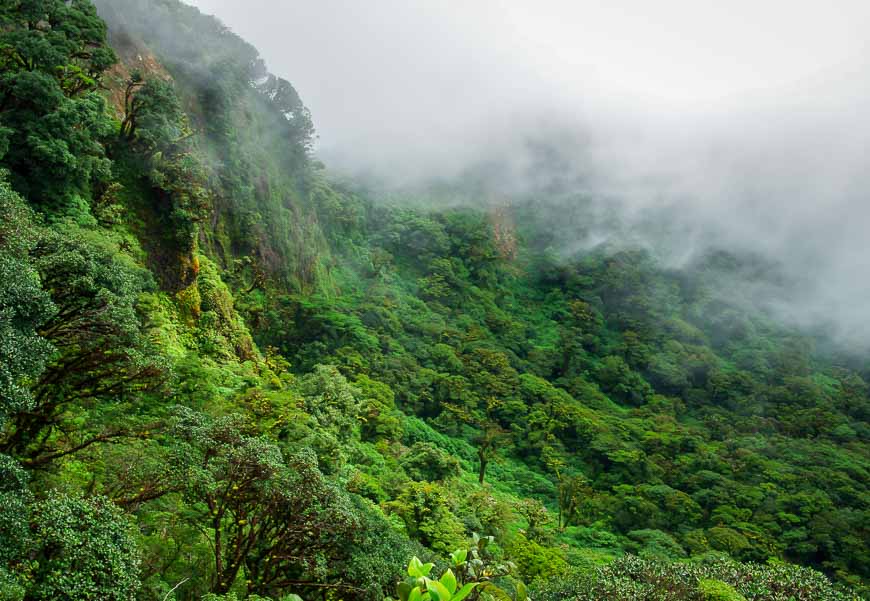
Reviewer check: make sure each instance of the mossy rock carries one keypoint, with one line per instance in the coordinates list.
(189, 303)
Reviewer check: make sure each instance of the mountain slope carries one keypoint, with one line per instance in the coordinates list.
(224, 372)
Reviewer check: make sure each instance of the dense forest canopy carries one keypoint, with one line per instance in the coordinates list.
(226, 374)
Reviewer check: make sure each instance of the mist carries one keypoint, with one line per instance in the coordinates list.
(742, 126)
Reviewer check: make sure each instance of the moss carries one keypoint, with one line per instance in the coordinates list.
(189, 303)
(166, 329)
(220, 328)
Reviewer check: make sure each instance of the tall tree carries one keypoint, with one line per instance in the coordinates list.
(273, 518)
(52, 55)
(103, 360)
(24, 307)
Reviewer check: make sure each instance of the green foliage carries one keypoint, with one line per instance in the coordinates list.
(155, 138)
(374, 561)
(634, 578)
(537, 519)
(617, 379)
(362, 381)
(15, 502)
(332, 401)
(655, 544)
(102, 353)
(84, 550)
(472, 579)
(275, 518)
(424, 509)
(220, 329)
(488, 512)
(380, 419)
(535, 561)
(24, 307)
(153, 116)
(716, 590)
(54, 53)
(253, 132)
(425, 461)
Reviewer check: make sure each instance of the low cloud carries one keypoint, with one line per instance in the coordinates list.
(743, 127)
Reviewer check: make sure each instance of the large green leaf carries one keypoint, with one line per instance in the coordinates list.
(418, 569)
(458, 557)
(464, 591)
(416, 595)
(439, 590)
(404, 591)
(448, 579)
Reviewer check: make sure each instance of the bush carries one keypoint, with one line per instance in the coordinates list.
(424, 509)
(535, 561)
(632, 578)
(716, 590)
(85, 551)
(425, 461)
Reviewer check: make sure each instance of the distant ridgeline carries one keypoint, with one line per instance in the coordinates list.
(225, 375)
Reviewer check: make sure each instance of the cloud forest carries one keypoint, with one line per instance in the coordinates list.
(233, 370)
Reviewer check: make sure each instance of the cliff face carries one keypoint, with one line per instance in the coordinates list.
(251, 135)
(133, 57)
(504, 231)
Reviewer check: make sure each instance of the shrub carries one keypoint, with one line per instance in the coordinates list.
(85, 551)
(632, 578)
(716, 590)
(425, 461)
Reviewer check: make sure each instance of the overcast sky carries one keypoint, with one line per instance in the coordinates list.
(396, 68)
(751, 117)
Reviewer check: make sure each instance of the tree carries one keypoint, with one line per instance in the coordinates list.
(298, 125)
(425, 461)
(153, 117)
(155, 132)
(53, 55)
(62, 547)
(84, 550)
(24, 307)
(537, 518)
(380, 420)
(15, 500)
(572, 489)
(274, 518)
(332, 400)
(487, 445)
(64, 38)
(424, 509)
(579, 335)
(618, 380)
(102, 361)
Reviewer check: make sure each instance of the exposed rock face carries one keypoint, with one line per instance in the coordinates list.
(132, 56)
(504, 231)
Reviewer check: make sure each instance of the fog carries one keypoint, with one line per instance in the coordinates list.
(746, 123)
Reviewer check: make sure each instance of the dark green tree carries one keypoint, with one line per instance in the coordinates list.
(284, 98)
(85, 550)
(103, 360)
(153, 117)
(24, 307)
(274, 518)
(52, 55)
(15, 500)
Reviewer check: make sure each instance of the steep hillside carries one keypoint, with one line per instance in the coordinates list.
(224, 374)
